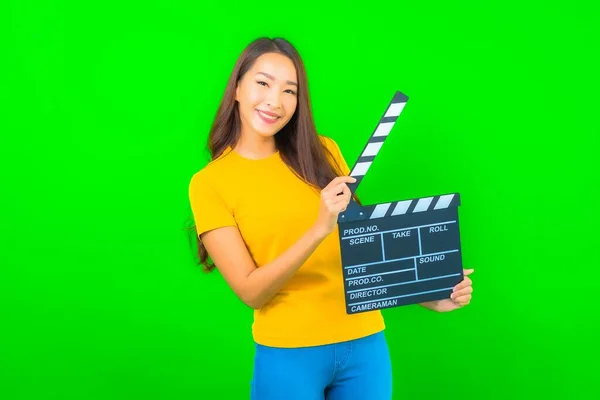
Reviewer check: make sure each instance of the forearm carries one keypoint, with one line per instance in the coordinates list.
(264, 282)
(430, 305)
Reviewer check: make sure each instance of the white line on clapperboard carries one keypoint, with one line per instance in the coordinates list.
(384, 261)
(402, 283)
(397, 259)
(402, 295)
(397, 230)
(394, 260)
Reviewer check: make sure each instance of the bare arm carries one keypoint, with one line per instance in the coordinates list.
(430, 305)
(256, 286)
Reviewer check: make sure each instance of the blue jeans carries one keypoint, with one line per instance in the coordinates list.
(357, 369)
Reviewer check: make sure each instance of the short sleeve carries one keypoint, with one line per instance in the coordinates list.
(209, 209)
(337, 154)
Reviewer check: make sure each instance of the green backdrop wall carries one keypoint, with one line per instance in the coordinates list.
(105, 113)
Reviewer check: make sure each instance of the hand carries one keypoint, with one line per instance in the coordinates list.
(462, 291)
(334, 200)
(460, 297)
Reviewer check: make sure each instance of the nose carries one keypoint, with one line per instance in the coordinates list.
(274, 99)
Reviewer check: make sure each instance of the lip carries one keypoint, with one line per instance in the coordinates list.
(265, 120)
(269, 113)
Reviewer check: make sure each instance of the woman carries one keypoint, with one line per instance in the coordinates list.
(265, 211)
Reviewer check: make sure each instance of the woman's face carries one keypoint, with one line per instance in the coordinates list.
(267, 95)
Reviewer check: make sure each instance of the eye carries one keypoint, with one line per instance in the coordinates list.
(263, 83)
(290, 91)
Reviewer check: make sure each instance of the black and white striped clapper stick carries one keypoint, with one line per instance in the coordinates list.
(401, 252)
(375, 142)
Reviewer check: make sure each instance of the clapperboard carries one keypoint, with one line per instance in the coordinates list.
(397, 253)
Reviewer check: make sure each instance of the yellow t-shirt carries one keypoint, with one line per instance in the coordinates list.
(273, 208)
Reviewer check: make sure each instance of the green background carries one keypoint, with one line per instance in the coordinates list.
(105, 112)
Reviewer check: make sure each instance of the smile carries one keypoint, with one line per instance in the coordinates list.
(266, 117)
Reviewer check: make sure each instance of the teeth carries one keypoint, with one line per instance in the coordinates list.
(267, 116)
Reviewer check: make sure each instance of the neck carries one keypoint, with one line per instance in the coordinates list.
(255, 146)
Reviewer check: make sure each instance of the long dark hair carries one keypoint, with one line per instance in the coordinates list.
(298, 143)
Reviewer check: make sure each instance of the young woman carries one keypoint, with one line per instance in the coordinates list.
(265, 211)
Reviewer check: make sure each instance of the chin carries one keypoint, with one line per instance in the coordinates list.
(266, 133)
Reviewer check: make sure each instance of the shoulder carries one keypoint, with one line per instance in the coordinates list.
(204, 180)
(335, 153)
(200, 182)
(328, 142)
(207, 187)
(331, 145)
(213, 171)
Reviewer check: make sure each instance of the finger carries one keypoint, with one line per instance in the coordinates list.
(462, 292)
(467, 272)
(337, 190)
(339, 179)
(463, 284)
(333, 187)
(338, 205)
(337, 201)
(345, 194)
(463, 300)
(343, 189)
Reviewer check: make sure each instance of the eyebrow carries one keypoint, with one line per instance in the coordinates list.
(273, 78)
